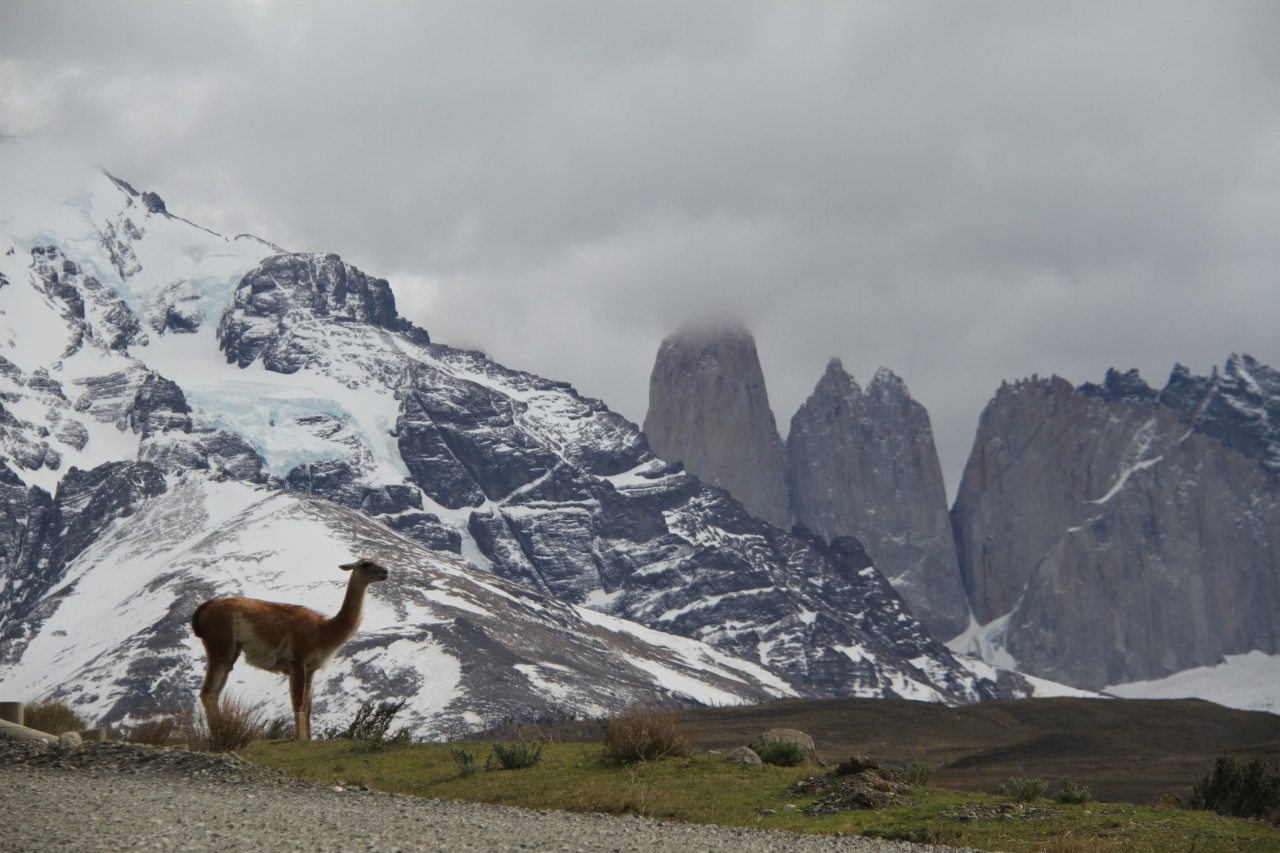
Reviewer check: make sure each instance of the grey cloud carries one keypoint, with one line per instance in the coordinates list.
(961, 192)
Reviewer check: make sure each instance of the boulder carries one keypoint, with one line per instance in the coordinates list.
(795, 736)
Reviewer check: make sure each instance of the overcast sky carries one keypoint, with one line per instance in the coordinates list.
(961, 192)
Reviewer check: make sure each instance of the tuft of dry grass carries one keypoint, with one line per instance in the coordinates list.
(161, 730)
(235, 726)
(52, 716)
(646, 733)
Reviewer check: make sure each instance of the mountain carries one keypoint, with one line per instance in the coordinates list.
(862, 463)
(856, 463)
(1117, 533)
(171, 397)
(709, 410)
(1108, 536)
(465, 649)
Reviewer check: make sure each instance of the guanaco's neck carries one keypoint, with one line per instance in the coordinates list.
(339, 628)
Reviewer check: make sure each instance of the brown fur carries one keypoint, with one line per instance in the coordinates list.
(284, 638)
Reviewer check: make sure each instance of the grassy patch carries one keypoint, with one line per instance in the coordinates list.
(706, 789)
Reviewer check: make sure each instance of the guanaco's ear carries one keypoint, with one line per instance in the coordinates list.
(348, 567)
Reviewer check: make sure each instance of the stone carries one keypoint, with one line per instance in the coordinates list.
(744, 755)
(799, 738)
(795, 736)
(70, 740)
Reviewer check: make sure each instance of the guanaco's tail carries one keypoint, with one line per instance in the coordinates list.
(195, 619)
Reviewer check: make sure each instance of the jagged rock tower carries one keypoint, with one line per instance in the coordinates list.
(708, 408)
(863, 463)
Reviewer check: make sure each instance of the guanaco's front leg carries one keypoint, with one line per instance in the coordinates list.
(299, 684)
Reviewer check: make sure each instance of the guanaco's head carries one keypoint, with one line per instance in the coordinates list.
(366, 570)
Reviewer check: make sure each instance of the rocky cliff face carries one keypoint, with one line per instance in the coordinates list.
(1124, 533)
(862, 463)
(709, 410)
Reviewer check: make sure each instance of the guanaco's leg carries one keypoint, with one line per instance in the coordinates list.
(298, 683)
(306, 699)
(217, 668)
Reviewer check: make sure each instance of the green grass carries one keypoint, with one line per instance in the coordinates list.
(705, 789)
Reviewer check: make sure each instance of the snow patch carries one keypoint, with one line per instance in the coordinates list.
(1250, 682)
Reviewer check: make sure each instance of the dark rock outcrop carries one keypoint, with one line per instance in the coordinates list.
(708, 409)
(863, 464)
(276, 305)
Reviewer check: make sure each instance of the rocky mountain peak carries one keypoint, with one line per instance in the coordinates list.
(1239, 406)
(1127, 387)
(835, 382)
(288, 290)
(862, 463)
(709, 409)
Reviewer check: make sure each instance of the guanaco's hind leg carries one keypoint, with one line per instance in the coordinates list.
(215, 678)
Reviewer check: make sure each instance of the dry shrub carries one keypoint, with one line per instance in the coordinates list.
(1023, 790)
(52, 716)
(164, 729)
(646, 733)
(235, 725)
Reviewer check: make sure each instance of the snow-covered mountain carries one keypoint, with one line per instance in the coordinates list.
(464, 648)
(187, 414)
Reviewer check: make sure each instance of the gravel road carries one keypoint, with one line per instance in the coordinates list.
(125, 797)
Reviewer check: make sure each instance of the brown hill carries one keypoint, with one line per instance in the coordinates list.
(1129, 750)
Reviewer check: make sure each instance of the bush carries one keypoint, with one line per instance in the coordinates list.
(235, 725)
(513, 756)
(465, 759)
(783, 753)
(645, 733)
(1023, 790)
(919, 772)
(280, 728)
(163, 730)
(1072, 793)
(370, 724)
(52, 716)
(1230, 788)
